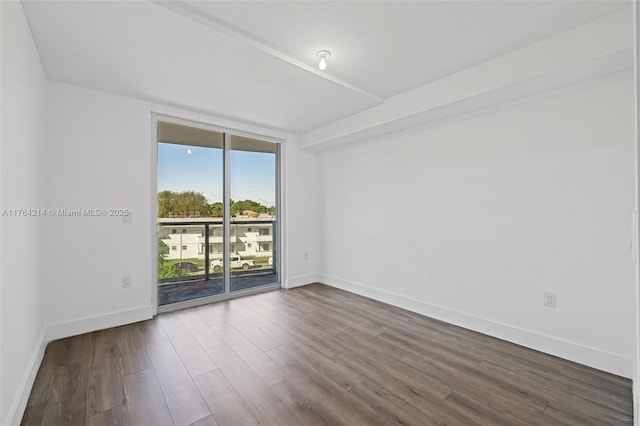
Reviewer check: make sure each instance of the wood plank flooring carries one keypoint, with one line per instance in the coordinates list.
(312, 356)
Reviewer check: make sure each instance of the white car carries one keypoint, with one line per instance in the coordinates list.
(235, 261)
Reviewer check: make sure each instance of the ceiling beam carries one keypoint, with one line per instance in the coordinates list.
(596, 49)
(196, 15)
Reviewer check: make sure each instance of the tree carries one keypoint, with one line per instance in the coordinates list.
(192, 203)
(216, 209)
(165, 270)
(182, 204)
(165, 203)
(239, 207)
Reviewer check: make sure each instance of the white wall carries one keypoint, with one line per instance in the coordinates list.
(471, 221)
(98, 157)
(22, 316)
(303, 214)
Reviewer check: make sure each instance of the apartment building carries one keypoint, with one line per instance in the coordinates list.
(188, 241)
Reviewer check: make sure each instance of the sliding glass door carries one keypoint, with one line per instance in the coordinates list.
(217, 214)
(253, 165)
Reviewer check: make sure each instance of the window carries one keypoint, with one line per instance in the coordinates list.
(206, 168)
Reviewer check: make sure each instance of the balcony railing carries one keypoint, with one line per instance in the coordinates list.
(192, 249)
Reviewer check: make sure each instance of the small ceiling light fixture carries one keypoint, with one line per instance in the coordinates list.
(323, 55)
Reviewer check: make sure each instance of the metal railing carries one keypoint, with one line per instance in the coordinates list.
(193, 239)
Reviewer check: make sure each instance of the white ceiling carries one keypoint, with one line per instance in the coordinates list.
(246, 60)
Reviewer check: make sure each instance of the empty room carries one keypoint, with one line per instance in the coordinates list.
(317, 212)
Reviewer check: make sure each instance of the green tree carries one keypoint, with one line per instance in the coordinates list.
(166, 203)
(165, 270)
(182, 204)
(239, 207)
(216, 209)
(192, 203)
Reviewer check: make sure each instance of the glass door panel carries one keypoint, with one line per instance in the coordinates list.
(190, 201)
(217, 223)
(253, 215)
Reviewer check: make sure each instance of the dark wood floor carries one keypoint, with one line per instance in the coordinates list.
(312, 355)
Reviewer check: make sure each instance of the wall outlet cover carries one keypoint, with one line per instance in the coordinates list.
(549, 299)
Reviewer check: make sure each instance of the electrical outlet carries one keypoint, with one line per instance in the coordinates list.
(126, 281)
(306, 255)
(549, 299)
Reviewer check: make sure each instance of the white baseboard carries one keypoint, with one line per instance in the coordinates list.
(565, 349)
(636, 394)
(14, 416)
(301, 280)
(98, 322)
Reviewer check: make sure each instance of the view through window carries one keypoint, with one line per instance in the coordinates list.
(195, 166)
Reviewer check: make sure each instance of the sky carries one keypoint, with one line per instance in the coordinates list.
(253, 174)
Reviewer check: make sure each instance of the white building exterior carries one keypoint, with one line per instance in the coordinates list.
(248, 237)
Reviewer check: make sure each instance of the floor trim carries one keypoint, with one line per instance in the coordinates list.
(301, 280)
(98, 322)
(636, 394)
(19, 404)
(592, 357)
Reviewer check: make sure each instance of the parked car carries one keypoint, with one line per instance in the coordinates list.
(186, 266)
(235, 261)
